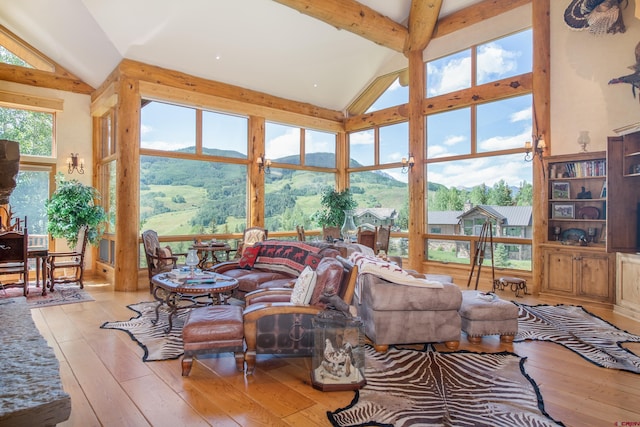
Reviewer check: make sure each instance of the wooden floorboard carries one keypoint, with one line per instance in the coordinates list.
(109, 384)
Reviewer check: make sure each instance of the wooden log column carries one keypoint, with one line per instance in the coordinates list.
(127, 188)
(541, 127)
(417, 141)
(256, 196)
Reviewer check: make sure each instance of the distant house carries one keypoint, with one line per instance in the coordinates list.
(371, 218)
(507, 221)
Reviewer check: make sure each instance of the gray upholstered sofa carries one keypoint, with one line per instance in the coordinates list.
(400, 314)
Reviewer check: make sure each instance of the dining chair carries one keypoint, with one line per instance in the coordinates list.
(382, 244)
(300, 232)
(250, 236)
(72, 260)
(330, 234)
(13, 259)
(368, 238)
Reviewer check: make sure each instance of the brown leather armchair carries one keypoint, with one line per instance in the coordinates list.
(273, 325)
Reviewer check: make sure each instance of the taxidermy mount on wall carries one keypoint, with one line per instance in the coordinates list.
(598, 16)
(632, 79)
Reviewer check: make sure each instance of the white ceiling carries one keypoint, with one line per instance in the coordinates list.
(256, 44)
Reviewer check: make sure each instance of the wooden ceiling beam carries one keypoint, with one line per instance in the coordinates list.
(35, 77)
(423, 17)
(474, 14)
(356, 18)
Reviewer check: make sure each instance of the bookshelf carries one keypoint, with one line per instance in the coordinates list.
(575, 258)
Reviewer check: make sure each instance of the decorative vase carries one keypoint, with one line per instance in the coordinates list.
(349, 230)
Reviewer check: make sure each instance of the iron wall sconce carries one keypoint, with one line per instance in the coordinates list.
(535, 149)
(408, 164)
(75, 164)
(264, 165)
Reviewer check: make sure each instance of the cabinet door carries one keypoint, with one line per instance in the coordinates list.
(593, 278)
(559, 275)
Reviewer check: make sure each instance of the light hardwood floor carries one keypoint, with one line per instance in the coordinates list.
(109, 384)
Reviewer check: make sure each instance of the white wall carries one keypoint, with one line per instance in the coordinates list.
(581, 66)
(72, 134)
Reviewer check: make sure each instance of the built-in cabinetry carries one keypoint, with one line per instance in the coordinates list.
(623, 156)
(576, 263)
(628, 284)
(624, 238)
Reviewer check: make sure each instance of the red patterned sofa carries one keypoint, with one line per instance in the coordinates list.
(272, 264)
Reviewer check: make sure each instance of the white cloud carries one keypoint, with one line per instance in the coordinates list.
(144, 129)
(494, 61)
(361, 138)
(453, 76)
(476, 171)
(323, 146)
(505, 142)
(522, 115)
(454, 139)
(283, 145)
(435, 151)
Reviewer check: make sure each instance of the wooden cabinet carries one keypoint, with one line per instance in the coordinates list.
(623, 157)
(628, 284)
(576, 263)
(582, 274)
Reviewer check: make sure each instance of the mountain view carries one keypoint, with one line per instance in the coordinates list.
(188, 197)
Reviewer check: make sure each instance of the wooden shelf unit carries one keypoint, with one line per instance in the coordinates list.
(576, 264)
(623, 154)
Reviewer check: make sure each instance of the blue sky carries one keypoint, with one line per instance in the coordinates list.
(500, 125)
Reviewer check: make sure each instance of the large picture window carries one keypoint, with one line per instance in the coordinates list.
(475, 168)
(180, 195)
(305, 162)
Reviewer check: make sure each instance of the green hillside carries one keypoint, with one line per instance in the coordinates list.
(186, 196)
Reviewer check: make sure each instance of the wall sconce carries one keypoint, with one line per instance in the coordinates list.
(538, 147)
(264, 165)
(584, 139)
(408, 164)
(75, 164)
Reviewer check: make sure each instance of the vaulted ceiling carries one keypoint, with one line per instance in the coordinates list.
(264, 45)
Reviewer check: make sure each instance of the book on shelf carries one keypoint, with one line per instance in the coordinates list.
(586, 169)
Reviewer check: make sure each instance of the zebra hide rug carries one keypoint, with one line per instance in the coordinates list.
(427, 388)
(156, 344)
(582, 332)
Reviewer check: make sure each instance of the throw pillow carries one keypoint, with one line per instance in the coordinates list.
(249, 256)
(165, 256)
(303, 289)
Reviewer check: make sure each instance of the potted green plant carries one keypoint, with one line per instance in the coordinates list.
(71, 206)
(334, 203)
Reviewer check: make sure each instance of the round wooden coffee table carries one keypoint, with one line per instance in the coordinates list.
(180, 293)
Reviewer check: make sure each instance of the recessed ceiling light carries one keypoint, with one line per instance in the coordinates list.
(218, 56)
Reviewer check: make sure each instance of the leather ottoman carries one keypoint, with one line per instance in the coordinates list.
(213, 329)
(486, 314)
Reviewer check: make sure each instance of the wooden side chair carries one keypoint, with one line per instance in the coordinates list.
(368, 238)
(300, 231)
(13, 259)
(330, 234)
(382, 244)
(72, 260)
(250, 236)
(159, 259)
